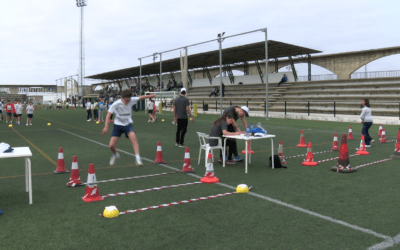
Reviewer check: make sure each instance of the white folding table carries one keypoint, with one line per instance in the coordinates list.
(249, 139)
(22, 152)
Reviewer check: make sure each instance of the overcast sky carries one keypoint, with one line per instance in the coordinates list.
(39, 40)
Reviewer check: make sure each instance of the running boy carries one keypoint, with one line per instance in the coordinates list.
(123, 123)
(29, 112)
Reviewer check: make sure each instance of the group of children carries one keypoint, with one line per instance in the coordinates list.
(14, 112)
(98, 109)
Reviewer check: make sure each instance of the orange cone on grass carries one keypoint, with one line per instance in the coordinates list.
(335, 146)
(210, 176)
(309, 161)
(302, 143)
(187, 166)
(75, 179)
(383, 136)
(362, 150)
(249, 148)
(60, 163)
(380, 129)
(159, 157)
(396, 154)
(350, 137)
(92, 192)
(343, 164)
(280, 153)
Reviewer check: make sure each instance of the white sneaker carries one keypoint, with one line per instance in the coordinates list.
(30, 124)
(372, 141)
(89, 120)
(139, 163)
(148, 121)
(27, 124)
(113, 159)
(367, 146)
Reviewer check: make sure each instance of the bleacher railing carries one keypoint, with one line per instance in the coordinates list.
(376, 74)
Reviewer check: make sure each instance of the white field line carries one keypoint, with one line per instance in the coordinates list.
(386, 244)
(330, 219)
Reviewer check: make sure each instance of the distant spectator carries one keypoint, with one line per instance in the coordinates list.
(223, 90)
(283, 80)
(213, 92)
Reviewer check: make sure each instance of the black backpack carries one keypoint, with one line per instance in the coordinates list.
(277, 162)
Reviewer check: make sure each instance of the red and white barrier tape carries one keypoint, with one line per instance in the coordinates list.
(177, 203)
(294, 156)
(371, 163)
(134, 177)
(151, 189)
(332, 159)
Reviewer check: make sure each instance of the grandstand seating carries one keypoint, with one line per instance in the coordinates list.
(383, 93)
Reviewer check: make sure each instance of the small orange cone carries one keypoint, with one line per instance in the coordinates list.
(187, 166)
(159, 157)
(335, 146)
(75, 179)
(383, 136)
(60, 163)
(380, 129)
(362, 150)
(350, 137)
(309, 161)
(209, 177)
(92, 192)
(280, 149)
(248, 146)
(396, 154)
(302, 143)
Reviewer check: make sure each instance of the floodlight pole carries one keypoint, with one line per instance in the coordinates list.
(81, 4)
(160, 71)
(140, 81)
(220, 70)
(266, 73)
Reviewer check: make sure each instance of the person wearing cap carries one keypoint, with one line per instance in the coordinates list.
(181, 110)
(237, 112)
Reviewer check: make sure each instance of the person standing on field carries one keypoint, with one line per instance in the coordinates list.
(181, 110)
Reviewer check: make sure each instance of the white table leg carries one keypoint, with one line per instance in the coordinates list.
(223, 153)
(272, 153)
(246, 148)
(249, 152)
(26, 176)
(28, 162)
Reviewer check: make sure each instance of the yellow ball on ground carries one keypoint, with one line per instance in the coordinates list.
(162, 120)
(48, 124)
(111, 212)
(97, 122)
(10, 126)
(191, 118)
(242, 188)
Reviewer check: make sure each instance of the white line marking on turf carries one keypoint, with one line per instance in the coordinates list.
(387, 243)
(364, 230)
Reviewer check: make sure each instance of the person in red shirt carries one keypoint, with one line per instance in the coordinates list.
(13, 112)
(9, 110)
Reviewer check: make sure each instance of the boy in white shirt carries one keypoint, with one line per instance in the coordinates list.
(123, 123)
(149, 108)
(29, 112)
(18, 111)
(89, 109)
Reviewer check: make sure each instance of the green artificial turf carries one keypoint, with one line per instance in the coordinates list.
(59, 219)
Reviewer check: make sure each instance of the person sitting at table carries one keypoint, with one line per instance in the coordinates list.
(220, 128)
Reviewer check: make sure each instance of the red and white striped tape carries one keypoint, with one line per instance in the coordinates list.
(175, 203)
(151, 189)
(294, 156)
(133, 177)
(335, 158)
(371, 163)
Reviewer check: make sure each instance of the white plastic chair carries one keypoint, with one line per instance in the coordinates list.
(204, 145)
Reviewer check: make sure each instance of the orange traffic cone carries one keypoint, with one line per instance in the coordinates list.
(187, 166)
(75, 179)
(350, 137)
(362, 150)
(302, 143)
(249, 148)
(380, 129)
(343, 164)
(396, 154)
(209, 177)
(159, 157)
(60, 163)
(335, 146)
(309, 161)
(92, 192)
(383, 136)
(280, 149)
